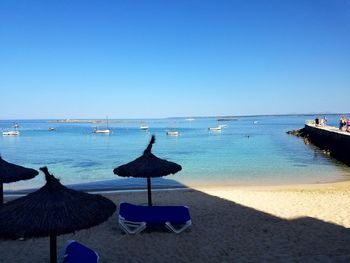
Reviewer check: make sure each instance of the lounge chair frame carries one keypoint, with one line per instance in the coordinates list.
(130, 227)
(169, 226)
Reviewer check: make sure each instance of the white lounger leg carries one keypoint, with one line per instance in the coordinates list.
(178, 230)
(131, 227)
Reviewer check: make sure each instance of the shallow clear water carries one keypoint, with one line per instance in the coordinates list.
(244, 152)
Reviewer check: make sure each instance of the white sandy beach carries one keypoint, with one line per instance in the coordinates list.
(297, 223)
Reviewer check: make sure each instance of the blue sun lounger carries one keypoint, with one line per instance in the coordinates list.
(135, 218)
(77, 253)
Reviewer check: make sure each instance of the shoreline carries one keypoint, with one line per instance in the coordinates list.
(106, 186)
(313, 187)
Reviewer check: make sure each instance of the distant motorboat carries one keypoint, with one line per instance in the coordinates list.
(172, 133)
(255, 122)
(10, 133)
(218, 128)
(189, 119)
(51, 129)
(15, 125)
(143, 127)
(227, 119)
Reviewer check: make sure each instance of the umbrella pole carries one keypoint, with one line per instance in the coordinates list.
(149, 191)
(1, 194)
(53, 248)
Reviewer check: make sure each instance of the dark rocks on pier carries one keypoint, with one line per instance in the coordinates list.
(300, 133)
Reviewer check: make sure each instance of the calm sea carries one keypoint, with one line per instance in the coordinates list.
(248, 151)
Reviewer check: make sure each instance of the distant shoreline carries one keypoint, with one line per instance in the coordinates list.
(93, 121)
(219, 118)
(140, 120)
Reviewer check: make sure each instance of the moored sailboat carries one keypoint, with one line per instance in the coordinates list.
(103, 131)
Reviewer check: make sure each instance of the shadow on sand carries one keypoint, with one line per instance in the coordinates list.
(222, 231)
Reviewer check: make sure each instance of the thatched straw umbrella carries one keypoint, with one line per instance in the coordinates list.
(10, 173)
(53, 210)
(148, 165)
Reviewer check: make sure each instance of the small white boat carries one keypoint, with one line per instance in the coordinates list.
(51, 129)
(218, 128)
(105, 131)
(10, 133)
(15, 125)
(172, 133)
(143, 127)
(189, 119)
(255, 122)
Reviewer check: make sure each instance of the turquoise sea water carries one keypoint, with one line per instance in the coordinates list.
(249, 151)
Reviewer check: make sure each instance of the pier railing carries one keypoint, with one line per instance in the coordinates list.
(310, 122)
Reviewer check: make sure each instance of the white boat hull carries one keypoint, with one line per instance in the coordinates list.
(172, 133)
(214, 128)
(102, 131)
(10, 133)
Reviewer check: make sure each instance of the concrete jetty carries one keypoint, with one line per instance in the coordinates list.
(331, 139)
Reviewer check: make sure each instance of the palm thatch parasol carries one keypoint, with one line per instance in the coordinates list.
(53, 210)
(148, 165)
(10, 173)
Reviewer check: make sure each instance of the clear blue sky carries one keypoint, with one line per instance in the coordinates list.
(139, 59)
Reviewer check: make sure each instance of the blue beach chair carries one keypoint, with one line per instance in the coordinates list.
(78, 253)
(135, 218)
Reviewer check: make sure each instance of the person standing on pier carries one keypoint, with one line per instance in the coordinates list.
(342, 122)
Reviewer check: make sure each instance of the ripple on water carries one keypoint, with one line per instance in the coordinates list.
(85, 164)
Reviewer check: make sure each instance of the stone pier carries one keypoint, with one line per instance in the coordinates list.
(330, 139)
